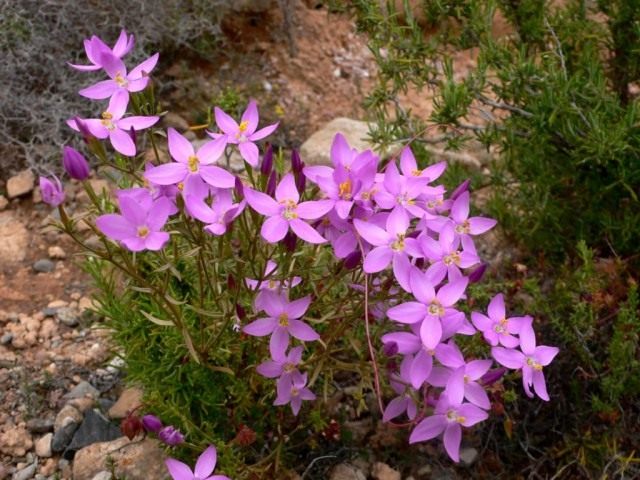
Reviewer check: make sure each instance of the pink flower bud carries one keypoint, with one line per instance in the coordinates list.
(52, 193)
(75, 164)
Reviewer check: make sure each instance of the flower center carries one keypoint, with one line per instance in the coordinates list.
(120, 80)
(533, 364)
(294, 392)
(452, 258)
(289, 212)
(283, 320)
(107, 120)
(398, 244)
(345, 190)
(180, 186)
(403, 200)
(436, 309)
(272, 284)
(288, 367)
(453, 416)
(243, 126)
(466, 379)
(193, 163)
(143, 231)
(463, 228)
(416, 173)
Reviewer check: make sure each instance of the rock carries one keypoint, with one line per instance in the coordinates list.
(26, 473)
(6, 338)
(40, 425)
(56, 253)
(43, 446)
(3, 202)
(44, 265)
(176, 121)
(63, 436)
(69, 316)
(129, 399)
(316, 150)
(103, 475)
(382, 471)
(14, 239)
(20, 184)
(48, 467)
(83, 389)
(68, 414)
(344, 471)
(15, 441)
(251, 6)
(468, 455)
(94, 429)
(137, 460)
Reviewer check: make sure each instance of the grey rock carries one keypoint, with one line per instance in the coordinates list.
(68, 316)
(103, 475)
(6, 338)
(63, 436)
(94, 429)
(83, 389)
(49, 312)
(26, 473)
(468, 455)
(40, 425)
(44, 265)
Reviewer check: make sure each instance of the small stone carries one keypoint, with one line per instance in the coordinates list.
(20, 184)
(137, 460)
(43, 446)
(382, 471)
(63, 436)
(468, 455)
(69, 316)
(44, 265)
(40, 425)
(129, 400)
(26, 473)
(94, 429)
(56, 253)
(344, 471)
(48, 467)
(83, 389)
(15, 441)
(103, 475)
(6, 338)
(68, 414)
(83, 404)
(3, 202)
(14, 239)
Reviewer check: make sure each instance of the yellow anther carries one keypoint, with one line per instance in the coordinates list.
(398, 245)
(533, 364)
(345, 190)
(143, 231)
(283, 320)
(193, 163)
(416, 173)
(243, 126)
(452, 258)
(436, 309)
(288, 367)
(120, 80)
(464, 227)
(180, 186)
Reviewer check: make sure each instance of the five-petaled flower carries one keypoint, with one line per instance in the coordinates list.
(203, 470)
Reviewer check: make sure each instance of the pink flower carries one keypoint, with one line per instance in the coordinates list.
(244, 135)
(94, 47)
(283, 321)
(463, 380)
(409, 167)
(531, 361)
(497, 328)
(52, 193)
(403, 402)
(390, 245)
(269, 284)
(465, 225)
(112, 125)
(190, 167)
(286, 211)
(139, 225)
(294, 392)
(204, 467)
(217, 216)
(449, 417)
(120, 81)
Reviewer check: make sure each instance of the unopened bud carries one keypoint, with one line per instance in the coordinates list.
(460, 189)
(151, 423)
(271, 184)
(75, 164)
(131, 426)
(296, 163)
(289, 241)
(478, 273)
(239, 188)
(267, 161)
(352, 260)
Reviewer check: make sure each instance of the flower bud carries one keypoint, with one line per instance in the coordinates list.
(390, 349)
(171, 436)
(352, 260)
(84, 129)
(133, 135)
(460, 189)
(301, 181)
(289, 241)
(151, 423)
(267, 161)
(271, 184)
(52, 193)
(75, 164)
(296, 163)
(478, 273)
(492, 376)
(231, 282)
(239, 189)
(131, 426)
(241, 312)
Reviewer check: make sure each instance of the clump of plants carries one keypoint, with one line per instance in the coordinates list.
(234, 296)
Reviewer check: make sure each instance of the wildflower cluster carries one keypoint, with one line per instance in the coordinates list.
(408, 244)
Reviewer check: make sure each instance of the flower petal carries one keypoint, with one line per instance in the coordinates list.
(261, 202)
(306, 232)
(286, 189)
(409, 312)
(179, 147)
(115, 226)
(100, 90)
(216, 176)
(274, 229)
(377, 259)
(261, 327)
(302, 331)
(206, 462)
(451, 440)
(122, 142)
(428, 428)
(178, 470)
(249, 151)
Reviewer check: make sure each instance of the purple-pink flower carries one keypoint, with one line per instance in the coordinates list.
(94, 47)
(139, 225)
(244, 134)
(205, 465)
(120, 81)
(111, 124)
(530, 360)
(171, 436)
(282, 322)
(294, 392)
(52, 191)
(497, 328)
(286, 211)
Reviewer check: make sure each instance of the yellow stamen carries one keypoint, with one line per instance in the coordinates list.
(452, 258)
(143, 231)
(120, 80)
(180, 186)
(193, 163)
(345, 190)
(398, 245)
(464, 228)
(436, 309)
(535, 365)
(416, 173)
(243, 126)
(283, 320)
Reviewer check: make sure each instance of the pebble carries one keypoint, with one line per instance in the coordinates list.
(43, 446)
(40, 425)
(44, 265)
(468, 455)
(103, 475)
(3, 202)
(62, 437)
(382, 471)
(6, 338)
(15, 441)
(56, 253)
(20, 184)
(129, 400)
(68, 414)
(68, 316)
(95, 428)
(26, 473)
(345, 471)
